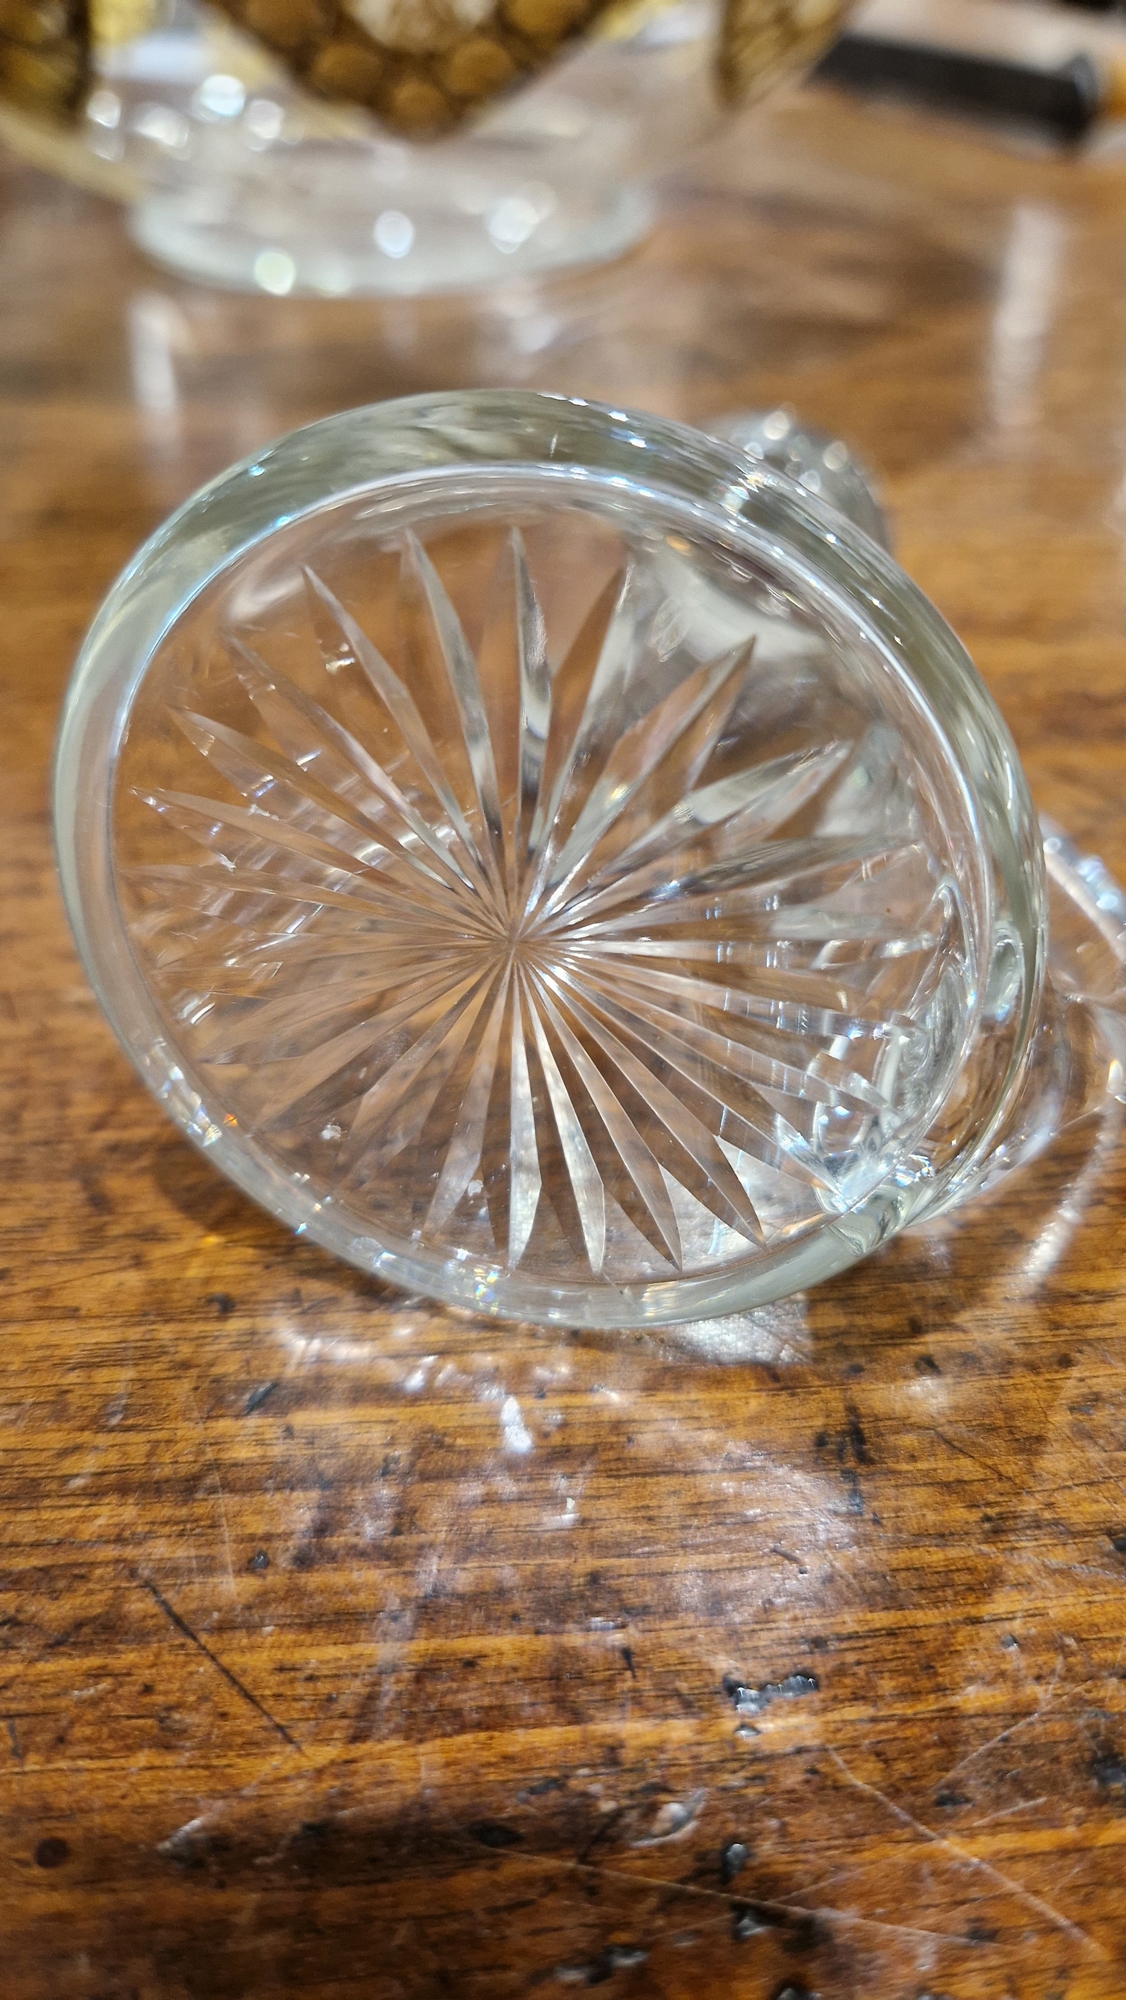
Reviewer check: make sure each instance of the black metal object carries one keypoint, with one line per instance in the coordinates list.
(1064, 101)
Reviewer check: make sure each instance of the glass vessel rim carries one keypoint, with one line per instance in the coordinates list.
(328, 461)
(335, 456)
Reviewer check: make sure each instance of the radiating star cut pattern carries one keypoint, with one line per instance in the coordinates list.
(550, 959)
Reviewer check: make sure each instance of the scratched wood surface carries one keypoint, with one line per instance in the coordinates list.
(351, 1648)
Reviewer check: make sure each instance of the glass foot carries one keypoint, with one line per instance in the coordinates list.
(403, 243)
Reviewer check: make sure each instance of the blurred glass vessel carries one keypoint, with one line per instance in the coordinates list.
(387, 146)
(567, 868)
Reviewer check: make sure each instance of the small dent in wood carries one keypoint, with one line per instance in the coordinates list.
(615, 1958)
(746, 1922)
(52, 1852)
(733, 1859)
(752, 1700)
(494, 1833)
(1108, 1769)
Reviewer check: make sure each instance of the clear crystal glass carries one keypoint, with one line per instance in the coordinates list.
(562, 865)
(236, 171)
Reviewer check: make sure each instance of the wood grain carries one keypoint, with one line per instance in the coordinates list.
(790, 1658)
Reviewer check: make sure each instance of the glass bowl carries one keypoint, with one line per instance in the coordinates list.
(563, 866)
(257, 148)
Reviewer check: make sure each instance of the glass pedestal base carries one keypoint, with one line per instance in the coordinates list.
(266, 189)
(402, 243)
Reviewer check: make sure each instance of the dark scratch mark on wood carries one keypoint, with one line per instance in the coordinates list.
(983, 1464)
(600, 1834)
(232, 1680)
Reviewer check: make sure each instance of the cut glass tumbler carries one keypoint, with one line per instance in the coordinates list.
(563, 866)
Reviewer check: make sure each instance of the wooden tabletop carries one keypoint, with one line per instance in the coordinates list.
(791, 1657)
